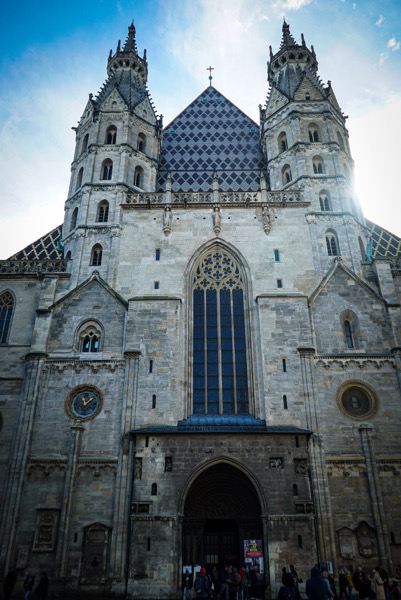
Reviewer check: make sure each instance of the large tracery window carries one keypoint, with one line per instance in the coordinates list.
(220, 381)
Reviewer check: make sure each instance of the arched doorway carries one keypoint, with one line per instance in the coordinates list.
(222, 511)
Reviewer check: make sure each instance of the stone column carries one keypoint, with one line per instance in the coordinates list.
(77, 430)
(119, 551)
(319, 482)
(269, 569)
(19, 455)
(376, 502)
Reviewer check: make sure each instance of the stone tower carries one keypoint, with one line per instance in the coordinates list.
(117, 150)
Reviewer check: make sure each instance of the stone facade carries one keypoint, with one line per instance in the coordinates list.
(213, 355)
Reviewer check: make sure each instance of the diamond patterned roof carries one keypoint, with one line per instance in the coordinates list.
(385, 244)
(46, 247)
(211, 135)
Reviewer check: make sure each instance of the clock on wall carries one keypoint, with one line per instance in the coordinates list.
(84, 402)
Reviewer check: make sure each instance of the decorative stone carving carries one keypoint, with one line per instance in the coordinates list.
(266, 220)
(300, 466)
(45, 534)
(216, 220)
(365, 535)
(276, 463)
(346, 539)
(167, 220)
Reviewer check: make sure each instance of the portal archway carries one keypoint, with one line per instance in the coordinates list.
(221, 512)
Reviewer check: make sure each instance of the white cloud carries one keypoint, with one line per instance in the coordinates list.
(288, 5)
(379, 21)
(382, 58)
(393, 44)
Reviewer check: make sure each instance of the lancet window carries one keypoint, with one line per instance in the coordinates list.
(6, 313)
(220, 369)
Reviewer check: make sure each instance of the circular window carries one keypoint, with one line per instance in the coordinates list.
(83, 402)
(357, 401)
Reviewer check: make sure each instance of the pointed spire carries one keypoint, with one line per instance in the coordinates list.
(130, 42)
(287, 39)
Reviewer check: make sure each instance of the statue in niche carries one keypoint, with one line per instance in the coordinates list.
(266, 220)
(365, 536)
(167, 220)
(216, 220)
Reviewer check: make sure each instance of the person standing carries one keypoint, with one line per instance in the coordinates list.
(9, 583)
(186, 585)
(342, 584)
(378, 584)
(41, 590)
(297, 581)
(202, 584)
(316, 588)
(383, 574)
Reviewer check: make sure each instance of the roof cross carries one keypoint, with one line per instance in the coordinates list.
(210, 69)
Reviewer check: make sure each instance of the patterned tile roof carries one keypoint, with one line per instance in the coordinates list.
(47, 247)
(211, 135)
(385, 244)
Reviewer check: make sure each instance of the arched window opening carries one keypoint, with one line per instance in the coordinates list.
(111, 135)
(324, 200)
(79, 178)
(348, 334)
(6, 313)
(85, 143)
(96, 257)
(141, 144)
(153, 491)
(286, 174)
(332, 244)
(313, 131)
(282, 142)
(107, 170)
(74, 218)
(102, 212)
(68, 255)
(318, 165)
(220, 368)
(138, 177)
(340, 141)
(89, 337)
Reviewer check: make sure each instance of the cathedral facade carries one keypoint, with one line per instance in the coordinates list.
(202, 365)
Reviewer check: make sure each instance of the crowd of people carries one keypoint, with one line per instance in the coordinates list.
(227, 583)
(29, 589)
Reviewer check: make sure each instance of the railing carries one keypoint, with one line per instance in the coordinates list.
(216, 197)
(21, 267)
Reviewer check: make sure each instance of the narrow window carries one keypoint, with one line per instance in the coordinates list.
(285, 405)
(102, 212)
(331, 243)
(74, 218)
(340, 141)
(296, 441)
(148, 545)
(154, 401)
(157, 254)
(141, 146)
(111, 135)
(294, 489)
(6, 313)
(138, 177)
(282, 142)
(313, 133)
(324, 201)
(300, 541)
(90, 343)
(85, 143)
(318, 165)
(168, 464)
(279, 283)
(284, 366)
(286, 174)
(147, 442)
(96, 258)
(348, 334)
(277, 255)
(154, 489)
(392, 537)
(220, 366)
(79, 178)
(107, 170)
(151, 366)
(157, 285)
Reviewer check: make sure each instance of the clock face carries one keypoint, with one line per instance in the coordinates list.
(85, 404)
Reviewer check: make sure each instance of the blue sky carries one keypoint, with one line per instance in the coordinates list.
(53, 56)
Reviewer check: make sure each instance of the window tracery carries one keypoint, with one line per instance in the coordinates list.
(6, 313)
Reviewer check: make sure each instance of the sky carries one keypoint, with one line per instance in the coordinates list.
(54, 53)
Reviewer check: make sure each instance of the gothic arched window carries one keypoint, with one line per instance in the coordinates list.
(348, 334)
(332, 244)
(282, 142)
(286, 174)
(340, 141)
(141, 144)
(138, 177)
(89, 337)
(111, 135)
(102, 212)
(85, 143)
(324, 199)
(318, 165)
(96, 256)
(74, 218)
(6, 313)
(220, 368)
(313, 131)
(107, 170)
(79, 178)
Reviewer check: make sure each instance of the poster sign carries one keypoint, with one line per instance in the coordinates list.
(253, 554)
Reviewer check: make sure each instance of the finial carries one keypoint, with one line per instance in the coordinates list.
(210, 69)
(144, 55)
(303, 39)
(271, 52)
(119, 46)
